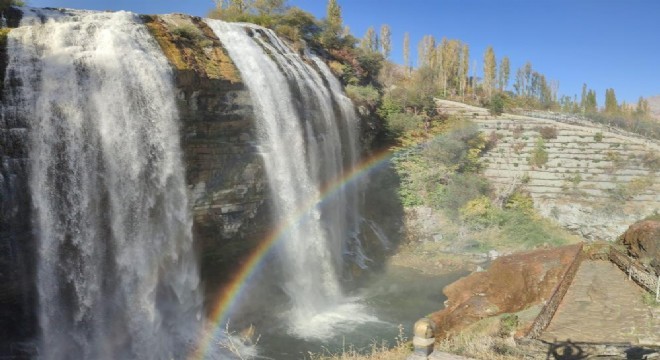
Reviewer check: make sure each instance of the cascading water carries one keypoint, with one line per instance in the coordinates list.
(307, 129)
(117, 276)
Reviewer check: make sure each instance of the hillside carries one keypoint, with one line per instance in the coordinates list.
(654, 104)
(592, 180)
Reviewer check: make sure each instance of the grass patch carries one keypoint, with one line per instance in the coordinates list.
(482, 340)
(401, 349)
(649, 299)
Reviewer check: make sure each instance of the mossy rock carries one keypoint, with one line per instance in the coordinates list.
(190, 45)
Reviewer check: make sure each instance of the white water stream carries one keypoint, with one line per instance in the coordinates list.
(117, 277)
(307, 135)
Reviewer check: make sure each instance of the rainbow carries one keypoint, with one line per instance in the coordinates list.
(231, 293)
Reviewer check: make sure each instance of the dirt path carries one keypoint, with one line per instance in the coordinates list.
(602, 305)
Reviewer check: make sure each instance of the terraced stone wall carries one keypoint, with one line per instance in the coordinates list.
(593, 181)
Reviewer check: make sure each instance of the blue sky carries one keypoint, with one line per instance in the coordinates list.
(605, 43)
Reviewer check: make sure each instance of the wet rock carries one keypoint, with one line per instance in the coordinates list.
(511, 284)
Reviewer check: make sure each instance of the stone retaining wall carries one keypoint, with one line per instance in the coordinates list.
(635, 271)
(594, 182)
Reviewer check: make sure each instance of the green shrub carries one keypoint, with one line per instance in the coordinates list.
(548, 132)
(575, 179)
(598, 137)
(189, 32)
(635, 187)
(479, 212)
(400, 123)
(496, 104)
(458, 149)
(363, 95)
(520, 201)
(508, 324)
(459, 190)
(651, 160)
(539, 154)
(529, 231)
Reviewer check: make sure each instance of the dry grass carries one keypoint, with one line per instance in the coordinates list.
(377, 351)
(482, 340)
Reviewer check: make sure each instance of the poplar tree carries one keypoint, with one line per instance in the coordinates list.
(465, 67)
(611, 105)
(583, 98)
(406, 51)
(490, 68)
(370, 40)
(643, 108)
(590, 103)
(333, 15)
(332, 31)
(450, 63)
(505, 69)
(426, 51)
(385, 40)
(268, 7)
(230, 10)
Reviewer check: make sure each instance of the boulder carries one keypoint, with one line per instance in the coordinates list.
(512, 283)
(642, 240)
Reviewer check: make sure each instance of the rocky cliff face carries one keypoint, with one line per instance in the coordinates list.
(17, 241)
(224, 171)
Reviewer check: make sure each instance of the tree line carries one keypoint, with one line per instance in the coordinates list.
(443, 69)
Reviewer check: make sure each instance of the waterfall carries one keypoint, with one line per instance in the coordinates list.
(307, 133)
(117, 276)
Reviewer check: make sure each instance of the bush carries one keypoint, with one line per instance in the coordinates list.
(191, 33)
(548, 132)
(363, 95)
(459, 149)
(598, 137)
(400, 123)
(539, 155)
(517, 131)
(528, 231)
(460, 189)
(637, 186)
(496, 104)
(520, 201)
(479, 212)
(651, 160)
(508, 324)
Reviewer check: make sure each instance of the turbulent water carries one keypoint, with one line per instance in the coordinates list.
(117, 277)
(307, 130)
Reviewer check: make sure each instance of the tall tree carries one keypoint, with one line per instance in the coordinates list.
(426, 51)
(230, 10)
(370, 40)
(611, 104)
(450, 63)
(643, 108)
(583, 98)
(333, 14)
(590, 103)
(490, 68)
(268, 7)
(505, 70)
(406, 51)
(465, 68)
(386, 40)
(333, 31)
